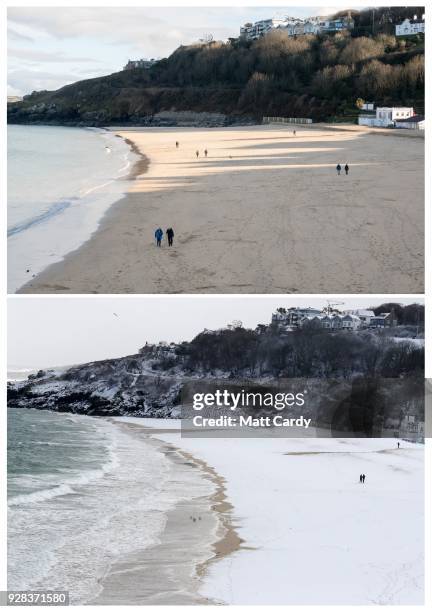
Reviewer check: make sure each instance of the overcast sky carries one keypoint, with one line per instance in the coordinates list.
(51, 47)
(50, 331)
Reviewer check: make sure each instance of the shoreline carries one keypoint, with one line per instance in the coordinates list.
(263, 213)
(198, 523)
(136, 168)
(292, 542)
(141, 164)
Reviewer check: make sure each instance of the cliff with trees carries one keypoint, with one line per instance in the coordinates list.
(365, 367)
(318, 76)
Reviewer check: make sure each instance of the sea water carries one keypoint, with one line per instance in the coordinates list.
(60, 183)
(83, 492)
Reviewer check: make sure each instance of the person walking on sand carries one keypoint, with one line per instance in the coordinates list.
(346, 169)
(177, 144)
(205, 152)
(158, 236)
(294, 133)
(170, 236)
(338, 168)
(197, 154)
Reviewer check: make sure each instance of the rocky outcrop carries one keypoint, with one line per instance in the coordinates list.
(106, 388)
(345, 372)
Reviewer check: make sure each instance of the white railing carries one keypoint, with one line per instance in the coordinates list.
(299, 120)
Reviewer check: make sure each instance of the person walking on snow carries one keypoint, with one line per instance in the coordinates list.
(170, 236)
(346, 169)
(338, 168)
(398, 444)
(158, 236)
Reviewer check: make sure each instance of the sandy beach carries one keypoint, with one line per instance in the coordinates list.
(265, 212)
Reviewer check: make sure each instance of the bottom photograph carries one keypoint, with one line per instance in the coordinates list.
(216, 450)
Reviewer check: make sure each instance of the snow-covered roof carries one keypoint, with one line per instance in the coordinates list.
(362, 312)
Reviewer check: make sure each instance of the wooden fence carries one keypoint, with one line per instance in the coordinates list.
(299, 120)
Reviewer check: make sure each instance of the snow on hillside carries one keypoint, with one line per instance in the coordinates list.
(317, 535)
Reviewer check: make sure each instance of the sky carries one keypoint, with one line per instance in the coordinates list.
(53, 46)
(57, 331)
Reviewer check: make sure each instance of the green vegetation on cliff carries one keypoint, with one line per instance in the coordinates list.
(318, 76)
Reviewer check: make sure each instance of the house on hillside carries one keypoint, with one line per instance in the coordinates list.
(311, 26)
(332, 322)
(252, 31)
(337, 25)
(385, 319)
(363, 314)
(351, 322)
(292, 316)
(409, 27)
(386, 116)
(141, 63)
(294, 26)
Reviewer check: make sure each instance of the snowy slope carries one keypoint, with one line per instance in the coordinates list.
(318, 535)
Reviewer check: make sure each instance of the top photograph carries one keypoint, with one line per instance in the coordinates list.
(244, 150)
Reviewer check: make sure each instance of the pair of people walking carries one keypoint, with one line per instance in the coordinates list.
(205, 153)
(362, 478)
(339, 169)
(159, 235)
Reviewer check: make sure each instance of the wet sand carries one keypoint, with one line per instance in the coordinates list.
(198, 532)
(265, 212)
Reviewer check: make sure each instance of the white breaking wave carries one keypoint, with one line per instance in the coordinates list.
(56, 201)
(68, 536)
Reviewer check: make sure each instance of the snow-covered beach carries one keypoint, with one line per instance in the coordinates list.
(312, 534)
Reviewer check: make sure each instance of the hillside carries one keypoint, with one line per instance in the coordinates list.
(317, 76)
(362, 377)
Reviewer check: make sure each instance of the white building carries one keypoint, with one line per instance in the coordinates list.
(252, 31)
(141, 63)
(386, 116)
(411, 123)
(345, 322)
(293, 316)
(410, 27)
(294, 26)
(351, 322)
(363, 314)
